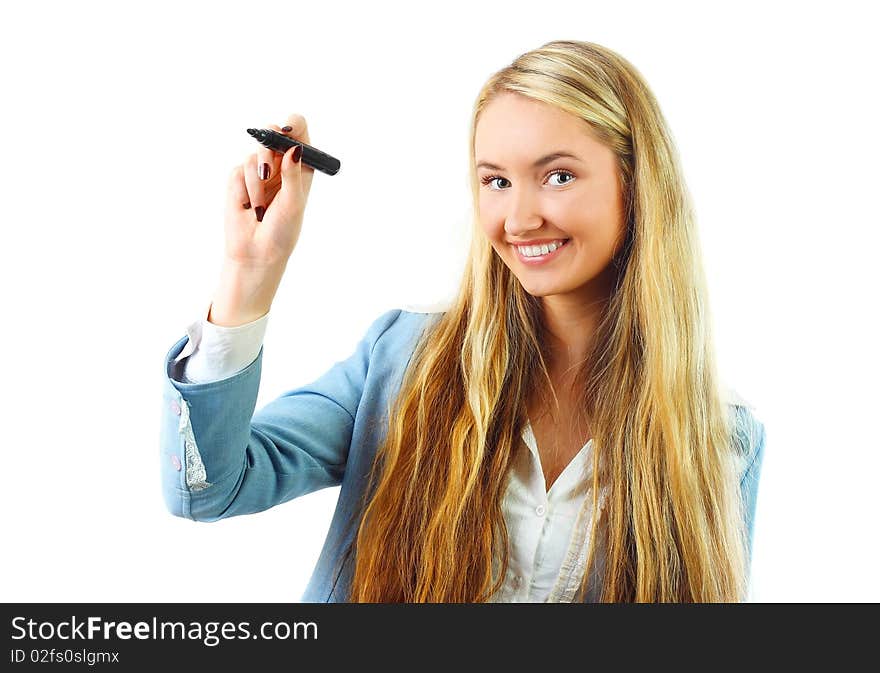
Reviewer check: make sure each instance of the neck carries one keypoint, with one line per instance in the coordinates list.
(570, 330)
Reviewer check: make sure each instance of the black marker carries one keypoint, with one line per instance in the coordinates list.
(280, 143)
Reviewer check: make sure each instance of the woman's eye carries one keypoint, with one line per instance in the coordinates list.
(562, 174)
(492, 178)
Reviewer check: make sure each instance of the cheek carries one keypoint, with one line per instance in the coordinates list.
(492, 226)
(494, 232)
(580, 207)
(593, 217)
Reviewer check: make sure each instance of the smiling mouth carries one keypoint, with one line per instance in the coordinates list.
(537, 259)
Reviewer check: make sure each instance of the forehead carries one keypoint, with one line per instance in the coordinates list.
(515, 123)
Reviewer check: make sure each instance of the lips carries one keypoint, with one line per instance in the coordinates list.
(539, 241)
(541, 259)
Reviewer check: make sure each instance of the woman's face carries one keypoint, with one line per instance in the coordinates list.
(525, 199)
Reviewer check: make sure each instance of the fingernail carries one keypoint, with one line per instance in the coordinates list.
(297, 153)
(287, 129)
(247, 205)
(259, 210)
(264, 171)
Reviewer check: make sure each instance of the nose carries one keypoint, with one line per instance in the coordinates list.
(523, 216)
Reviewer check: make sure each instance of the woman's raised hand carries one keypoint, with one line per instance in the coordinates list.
(266, 199)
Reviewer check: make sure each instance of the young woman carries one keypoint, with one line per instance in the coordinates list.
(558, 432)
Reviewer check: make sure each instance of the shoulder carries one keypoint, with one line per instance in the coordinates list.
(747, 415)
(748, 431)
(394, 332)
(431, 307)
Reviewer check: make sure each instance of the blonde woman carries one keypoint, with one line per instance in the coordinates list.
(557, 432)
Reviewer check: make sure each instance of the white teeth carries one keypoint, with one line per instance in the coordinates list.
(536, 250)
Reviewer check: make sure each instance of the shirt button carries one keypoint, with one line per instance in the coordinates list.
(517, 581)
(175, 407)
(539, 510)
(176, 462)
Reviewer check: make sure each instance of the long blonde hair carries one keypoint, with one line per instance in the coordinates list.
(672, 526)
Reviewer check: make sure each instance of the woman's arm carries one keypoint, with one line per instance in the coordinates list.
(220, 459)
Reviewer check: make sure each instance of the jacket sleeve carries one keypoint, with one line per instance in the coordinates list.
(220, 459)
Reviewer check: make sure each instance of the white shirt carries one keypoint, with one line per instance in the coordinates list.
(548, 530)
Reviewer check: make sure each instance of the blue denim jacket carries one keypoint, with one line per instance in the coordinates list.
(220, 459)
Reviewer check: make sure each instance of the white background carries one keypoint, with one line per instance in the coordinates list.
(121, 123)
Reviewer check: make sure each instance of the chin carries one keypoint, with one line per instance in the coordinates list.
(542, 289)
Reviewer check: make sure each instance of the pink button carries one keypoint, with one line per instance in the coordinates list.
(176, 462)
(175, 407)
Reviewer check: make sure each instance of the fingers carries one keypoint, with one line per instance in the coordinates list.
(268, 161)
(256, 187)
(255, 183)
(236, 192)
(291, 192)
(298, 128)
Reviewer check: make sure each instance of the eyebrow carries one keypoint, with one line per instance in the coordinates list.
(540, 162)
